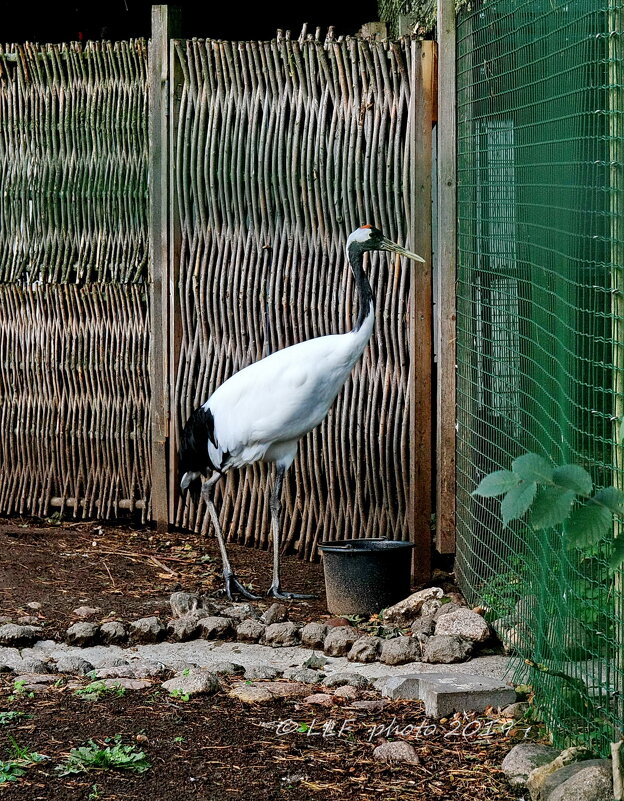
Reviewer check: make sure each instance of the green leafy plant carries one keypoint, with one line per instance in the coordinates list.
(22, 758)
(10, 716)
(98, 689)
(180, 695)
(19, 689)
(112, 756)
(549, 496)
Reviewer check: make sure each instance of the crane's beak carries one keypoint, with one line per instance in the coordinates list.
(388, 244)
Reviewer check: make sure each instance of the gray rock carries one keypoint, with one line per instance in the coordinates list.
(339, 640)
(216, 627)
(281, 634)
(444, 649)
(375, 705)
(573, 641)
(35, 666)
(85, 612)
(396, 751)
(463, 623)
(113, 633)
(365, 649)
(184, 628)
(240, 612)
(516, 710)
(250, 631)
(430, 607)
(148, 668)
(75, 665)
(276, 613)
(182, 603)
(306, 675)
(523, 758)
(139, 669)
(127, 683)
(147, 629)
(400, 650)
(110, 662)
(346, 692)
(313, 635)
(33, 605)
(451, 606)
(582, 781)
(199, 683)
(403, 613)
(82, 634)
(5, 619)
(28, 620)
(19, 636)
(227, 668)
(319, 699)
(259, 672)
(35, 682)
(354, 679)
(423, 625)
(316, 662)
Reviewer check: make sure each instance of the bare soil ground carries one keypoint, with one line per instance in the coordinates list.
(215, 749)
(129, 572)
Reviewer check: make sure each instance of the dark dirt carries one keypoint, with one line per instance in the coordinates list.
(129, 573)
(216, 748)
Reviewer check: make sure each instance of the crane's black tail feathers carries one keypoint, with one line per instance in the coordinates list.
(194, 461)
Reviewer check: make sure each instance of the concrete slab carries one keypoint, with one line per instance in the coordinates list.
(444, 694)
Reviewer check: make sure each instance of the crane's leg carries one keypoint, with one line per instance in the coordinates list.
(275, 589)
(231, 582)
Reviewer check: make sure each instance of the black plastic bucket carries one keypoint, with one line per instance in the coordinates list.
(362, 577)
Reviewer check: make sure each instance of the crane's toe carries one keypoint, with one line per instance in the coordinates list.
(277, 592)
(233, 585)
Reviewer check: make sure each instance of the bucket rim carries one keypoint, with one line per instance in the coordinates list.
(349, 546)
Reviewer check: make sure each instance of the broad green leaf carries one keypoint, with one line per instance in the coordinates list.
(573, 477)
(496, 483)
(610, 497)
(532, 467)
(588, 524)
(551, 507)
(517, 501)
(617, 555)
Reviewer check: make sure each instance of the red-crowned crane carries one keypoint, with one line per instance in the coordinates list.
(261, 412)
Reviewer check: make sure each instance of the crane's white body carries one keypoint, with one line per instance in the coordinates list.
(262, 411)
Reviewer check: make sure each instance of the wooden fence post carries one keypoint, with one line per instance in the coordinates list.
(421, 301)
(165, 25)
(446, 278)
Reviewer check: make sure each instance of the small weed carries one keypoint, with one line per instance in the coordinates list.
(179, 739)
(11, 716)
(95, 794)
(97, 690)
(180, 695)
(186, 672)
(19, 690)
(13, 769)
(113, 756)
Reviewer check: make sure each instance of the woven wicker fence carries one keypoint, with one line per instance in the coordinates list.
(74, 328)
(282, 148)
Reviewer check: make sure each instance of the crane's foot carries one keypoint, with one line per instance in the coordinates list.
(233, 585)
(275, 591)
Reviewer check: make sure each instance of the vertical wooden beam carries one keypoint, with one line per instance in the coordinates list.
(164, 22)
(421, 316)
(446, 279)
(175, 242)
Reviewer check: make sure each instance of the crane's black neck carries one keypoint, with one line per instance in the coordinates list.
(365, 293)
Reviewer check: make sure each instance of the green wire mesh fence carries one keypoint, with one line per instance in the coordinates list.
(541, 333)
